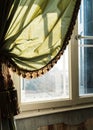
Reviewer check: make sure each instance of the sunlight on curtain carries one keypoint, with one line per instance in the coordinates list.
(37, 32)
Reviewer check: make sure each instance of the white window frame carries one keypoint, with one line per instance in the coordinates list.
(74, 102)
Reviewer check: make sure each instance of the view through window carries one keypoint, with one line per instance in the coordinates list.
(52, 85)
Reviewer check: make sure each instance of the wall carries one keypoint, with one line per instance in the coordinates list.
(69, 117)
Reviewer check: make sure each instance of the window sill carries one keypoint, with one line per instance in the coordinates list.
(35, 113)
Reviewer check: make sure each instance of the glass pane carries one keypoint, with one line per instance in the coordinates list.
(85, 28)
(52, 85)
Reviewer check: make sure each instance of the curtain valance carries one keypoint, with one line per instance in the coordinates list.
(34, 33)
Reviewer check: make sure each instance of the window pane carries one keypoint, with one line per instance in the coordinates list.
(86, 48)
(52, 85)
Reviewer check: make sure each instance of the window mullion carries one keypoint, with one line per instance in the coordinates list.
(74, 67)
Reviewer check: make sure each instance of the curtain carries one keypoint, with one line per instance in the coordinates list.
(33, 36)
(36, 32)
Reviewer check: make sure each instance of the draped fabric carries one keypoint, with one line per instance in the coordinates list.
(34, 33)
(8, 100)
(33, 36)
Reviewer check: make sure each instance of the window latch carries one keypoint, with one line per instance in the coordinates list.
(79, 37)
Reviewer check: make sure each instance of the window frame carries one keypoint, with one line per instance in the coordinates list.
(75, 101)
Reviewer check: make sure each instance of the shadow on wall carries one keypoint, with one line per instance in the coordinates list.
(87, 125)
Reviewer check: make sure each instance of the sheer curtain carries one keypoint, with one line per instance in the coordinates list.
(33, 36)
(37, 32)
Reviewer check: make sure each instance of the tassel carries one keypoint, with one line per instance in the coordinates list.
(8, 94)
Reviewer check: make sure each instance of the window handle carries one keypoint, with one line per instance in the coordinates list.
(79, 37)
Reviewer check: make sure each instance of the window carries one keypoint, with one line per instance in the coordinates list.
(70, 82)
(52, 85)
(86, 48)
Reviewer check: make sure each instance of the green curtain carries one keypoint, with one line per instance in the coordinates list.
(33, 36)
(35, 32)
